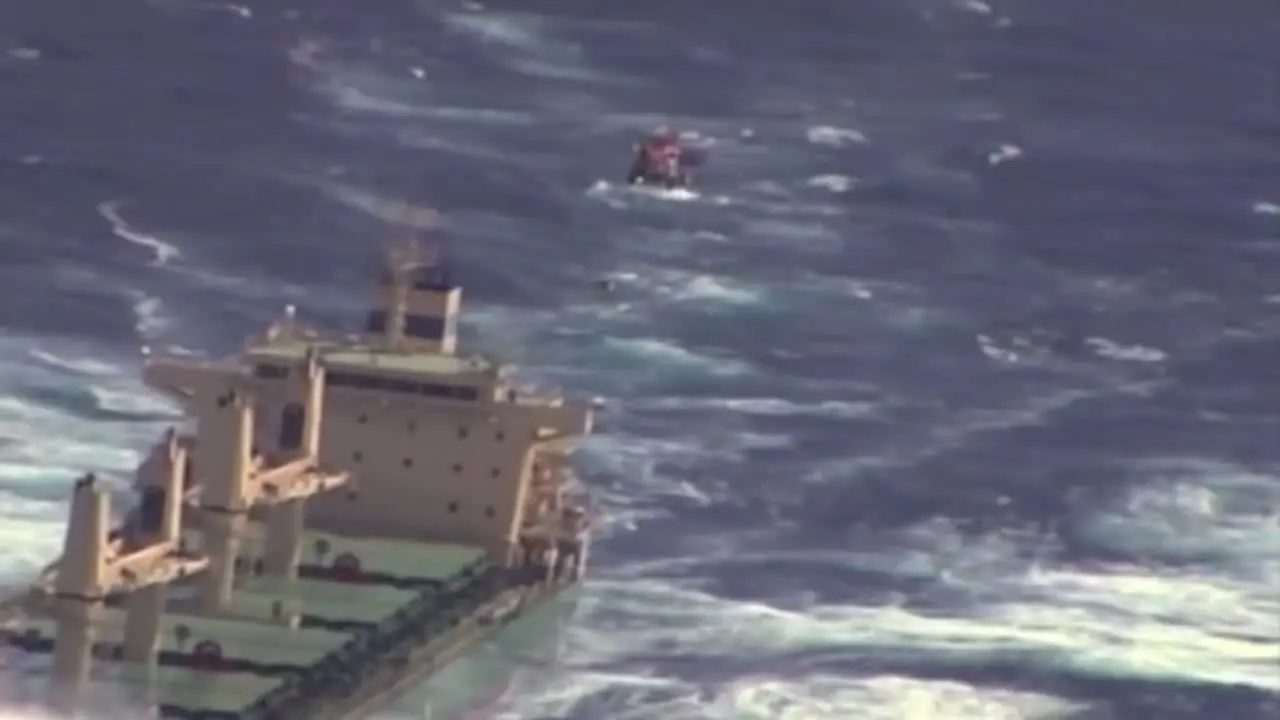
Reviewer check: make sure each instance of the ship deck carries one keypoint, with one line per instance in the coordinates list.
(275, 629)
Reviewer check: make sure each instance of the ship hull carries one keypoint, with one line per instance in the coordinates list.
(518, 654)
(466, 679)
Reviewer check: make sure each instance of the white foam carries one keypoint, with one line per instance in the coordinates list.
(616, 195)
(604, 191)
(519, 32)
(673, 194)
(1129, 353)
(717, 289)
(359, 91)
(991, 349)
(131, 400)
(975, 6)
(685, 287)
(834, 183)
(530, 45)
(161, 251)
(665, 621)
(834, 136)
(762, 406)
(883, 697)
(150, 319)
(78, 366)
(1266, 208)
(634, 488)
(1003, 154)
(1123, 621)
(1199, 510)
(659, 353)
(29, 534)
(352, 98)
(63, 446)
(844, 287)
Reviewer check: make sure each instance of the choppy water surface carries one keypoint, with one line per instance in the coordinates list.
(949, 394)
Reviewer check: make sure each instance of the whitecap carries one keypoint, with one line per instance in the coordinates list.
(128, 400)
(880, 697)
(702, 290)
(1197, 510)
(834, 136)
(30, 534)
(672, 194)
(519, 32)
(1266, 208)
(834, 183)
(992, 350)
(1129, 353)
(162, 252)
(715, 289)
(658, 352)
(55, 443)
(1118, 621)
(975, 6)
(616, 195)
(77, 366)
(531, 46)
(604, 191)
(150, 317)
(1003, 154)
(760, 406)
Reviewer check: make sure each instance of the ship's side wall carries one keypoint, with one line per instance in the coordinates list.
(473, 672)
(526, 649)
(422, 475)
(425, 468)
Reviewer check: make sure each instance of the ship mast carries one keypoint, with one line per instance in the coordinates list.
(403, 257)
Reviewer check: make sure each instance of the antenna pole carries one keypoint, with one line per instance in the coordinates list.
(404, 258)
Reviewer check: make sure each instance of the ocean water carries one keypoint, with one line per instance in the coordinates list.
(950, 393)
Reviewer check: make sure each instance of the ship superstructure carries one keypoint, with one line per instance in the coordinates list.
(351, 515)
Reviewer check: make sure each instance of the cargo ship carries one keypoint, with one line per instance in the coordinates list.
(343, 523)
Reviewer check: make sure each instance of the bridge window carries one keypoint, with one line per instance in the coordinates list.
(433, 278)
(453, 507)
(292, 419)
(426, 327)
(489, 512)
(271, 372)
(358, 381)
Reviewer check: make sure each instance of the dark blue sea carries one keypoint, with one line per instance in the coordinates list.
(950, 392)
